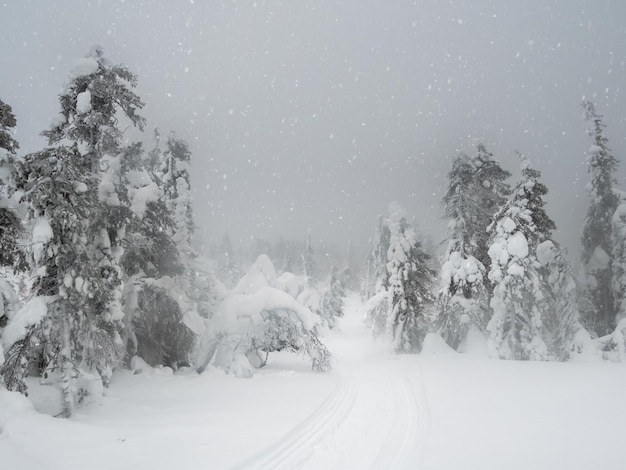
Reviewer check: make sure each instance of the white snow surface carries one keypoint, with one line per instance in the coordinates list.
(83, 102)
(83, 67)
(30, 314)
(375, 410)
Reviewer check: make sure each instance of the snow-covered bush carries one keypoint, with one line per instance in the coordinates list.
(256, 319)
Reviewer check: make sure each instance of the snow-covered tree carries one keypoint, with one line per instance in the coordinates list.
(255, 319)
(561, 318)
(77, 225)
(519, 299)
(410, 284)
(11, 230)
(597, 233)
(309, 267)
(618, 243)
(377, 277)
(7, 122)
(462, 301)
(177, 190)
(332, 299)
(489, 192)
(15, 333)
(79, 333)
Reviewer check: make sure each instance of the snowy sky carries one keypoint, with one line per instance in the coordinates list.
(317, 114)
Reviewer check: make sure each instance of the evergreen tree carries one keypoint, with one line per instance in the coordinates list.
(156, 285)
(597, 233)
(410, 281)
(73, 190)
(79, 333)
(12, 259)
(462, 300)
(11, 231)
(332, 300)
(519, 299)
(309, 267)
(561, 319)
(7, 122)
(489, 192)
(377, 277)
(177, 190)
(618, 243)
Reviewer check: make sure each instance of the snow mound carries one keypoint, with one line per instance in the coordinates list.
(435, 345)
(29, 315)
(84, 67)
(83, 102)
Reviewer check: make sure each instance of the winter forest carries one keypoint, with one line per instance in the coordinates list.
(131, 326)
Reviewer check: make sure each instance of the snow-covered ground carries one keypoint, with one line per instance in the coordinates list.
(375, 410)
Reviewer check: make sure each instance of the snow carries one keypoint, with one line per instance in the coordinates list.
(375, 410)
(42, 234)
(31, 314)
(140, 197)
(599, 260)
(546, 252)
(517, 245)
(83, 67)
(83, 102)
(238, 312)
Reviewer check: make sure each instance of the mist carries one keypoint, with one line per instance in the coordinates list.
(314, 116)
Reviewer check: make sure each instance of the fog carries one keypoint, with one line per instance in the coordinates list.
(314, 115)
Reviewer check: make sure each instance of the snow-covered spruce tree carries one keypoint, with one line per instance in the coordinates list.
(332, 298)
(79, 333)
(7, 122)
(519, 299)
(156, 290)
(618, 243)
(410, 284)
(597, 234)
(561, 319)
(309, 267)
(375, 291)
(177, 191)
(376, 277)
(462, 301)
(490, 191)
(13, 348)
(81, 330)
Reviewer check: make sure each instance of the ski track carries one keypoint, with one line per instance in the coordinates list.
(375, 418)
(299, 443)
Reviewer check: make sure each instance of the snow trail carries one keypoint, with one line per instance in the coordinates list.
(375, 418)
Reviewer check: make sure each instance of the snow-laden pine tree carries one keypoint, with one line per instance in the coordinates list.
(7, 122)
(177, 190)
(490, 191)
(332, 298)
(597, 234)
(309, 267)
(79, 333)
(410, 284)
(74, 203)
(376, 276)
(561, 318)
(618, 243)
(375, 291)
(462, 301)
(519, 299)
(13, 348)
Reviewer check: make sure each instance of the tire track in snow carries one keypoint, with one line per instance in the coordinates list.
(298, 445)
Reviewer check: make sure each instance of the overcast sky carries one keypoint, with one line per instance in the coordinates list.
(317, 114)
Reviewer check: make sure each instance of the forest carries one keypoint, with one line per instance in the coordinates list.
(100, 269)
